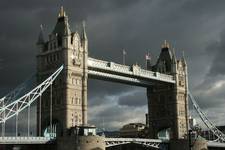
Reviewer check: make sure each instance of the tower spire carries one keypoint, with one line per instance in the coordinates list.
(67, 28)
(61, 12)
(41, 36)
(166, 44)
(174, 59)
(183, 58)
(62, 26)
(83, 34)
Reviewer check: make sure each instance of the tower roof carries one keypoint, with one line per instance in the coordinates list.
(62, 13)
(166, 44)
(62, 26)
(166, 52)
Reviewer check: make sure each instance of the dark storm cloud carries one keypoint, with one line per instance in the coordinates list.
(133, 99)
(98, 90)
(210, 91)
(218, 64)
(136, 26)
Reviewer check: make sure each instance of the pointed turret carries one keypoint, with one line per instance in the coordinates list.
(183, 60)
(84, 39)
(62, 26)
(165, 45)
(61, 12)
(67, 29)
(174, 62)
(164, 62)
(83, 33)
(41, 40)
(174, 59)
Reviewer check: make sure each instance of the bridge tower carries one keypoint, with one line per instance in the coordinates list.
(167, 103)
(69, 92)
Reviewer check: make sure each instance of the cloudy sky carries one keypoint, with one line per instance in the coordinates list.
(138, 26)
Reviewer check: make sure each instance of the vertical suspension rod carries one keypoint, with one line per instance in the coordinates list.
(28, 119)
(17, 119)
(3, 124)
(40, 116)
(50, 108)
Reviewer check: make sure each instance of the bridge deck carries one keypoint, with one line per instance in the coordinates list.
(25, 140)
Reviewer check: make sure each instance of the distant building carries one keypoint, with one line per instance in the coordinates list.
(110, 134)
(208, 135)
(87, 130)
(133, 130)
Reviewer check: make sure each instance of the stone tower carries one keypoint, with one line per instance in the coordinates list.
(168, 103)
(69, 91)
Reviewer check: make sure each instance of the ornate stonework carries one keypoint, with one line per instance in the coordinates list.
(69, 101)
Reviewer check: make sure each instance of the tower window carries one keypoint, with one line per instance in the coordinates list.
(71, 40)
(59, 41)
(76, 100)
(54, 45)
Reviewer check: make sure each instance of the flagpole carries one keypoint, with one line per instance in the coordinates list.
(146, 63)
(124, 58)
(147, 58)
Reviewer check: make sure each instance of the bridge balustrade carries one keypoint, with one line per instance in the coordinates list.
(120, 68)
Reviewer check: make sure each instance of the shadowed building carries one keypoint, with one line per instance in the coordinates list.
(69, 101)
(132, 130)
(167, 104)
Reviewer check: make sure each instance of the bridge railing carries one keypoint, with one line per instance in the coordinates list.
(134, 70)
(24, 138)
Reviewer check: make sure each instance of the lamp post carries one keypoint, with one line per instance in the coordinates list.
(189, 139)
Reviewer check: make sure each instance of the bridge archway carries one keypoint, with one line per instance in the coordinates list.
(117, 103)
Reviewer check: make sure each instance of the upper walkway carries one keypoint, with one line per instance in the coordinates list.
(133, 75)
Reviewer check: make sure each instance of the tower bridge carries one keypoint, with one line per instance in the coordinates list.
(62, 96)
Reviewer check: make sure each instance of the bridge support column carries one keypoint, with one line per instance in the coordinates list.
(81, 143)
(179, 145)
(200, 144)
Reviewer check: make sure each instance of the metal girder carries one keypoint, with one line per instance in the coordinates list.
(13, 94)
(207, 122)
(154, 143)
(12, 109)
